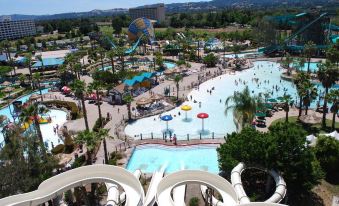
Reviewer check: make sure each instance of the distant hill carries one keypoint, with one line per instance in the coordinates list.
(73, 15)
(191, 7)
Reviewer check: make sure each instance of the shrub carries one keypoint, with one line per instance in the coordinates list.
(78, 162)
(69, 144)
(114, 157)
(96, 126)
(71, 106)
(58, 149)
(194, 201)
(210, 60)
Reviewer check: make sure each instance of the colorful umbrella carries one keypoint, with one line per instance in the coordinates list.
(65, 88)
(186, 108)
(167, 118)
(202, 116)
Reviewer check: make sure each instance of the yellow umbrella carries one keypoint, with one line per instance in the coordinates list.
(186, 108)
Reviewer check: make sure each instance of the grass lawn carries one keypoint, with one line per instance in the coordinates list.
(310, 129)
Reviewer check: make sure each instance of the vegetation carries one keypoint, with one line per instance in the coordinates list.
(177, 79)
(272, 150)
(71, 106)
(210, 60)
(194, 201)
(79, 88)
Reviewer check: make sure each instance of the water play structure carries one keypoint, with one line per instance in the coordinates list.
(159, 190)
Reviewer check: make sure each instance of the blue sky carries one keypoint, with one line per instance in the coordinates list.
(62, 6)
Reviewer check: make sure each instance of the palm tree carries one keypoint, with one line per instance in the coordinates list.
(97, 86)
(39, 58)
(287, 63)
(244, 106)
(177, 79)
(102, 56)
(91, 140)
(286, 99)
(79, 87)
(301, 79)
(121, 53)
(128, 99)
(32, 113)
(333, 97)
(111, 54)
(36, 77)
(310, 93)
(28, 63)
(327, 75)
(299, 63)
(309, 50)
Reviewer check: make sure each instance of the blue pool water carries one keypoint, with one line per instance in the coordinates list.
(313, 67)
(149, 158)
(58, 117)
(214, 104)
(170, 65)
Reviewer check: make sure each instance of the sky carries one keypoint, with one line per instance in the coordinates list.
(39, 7)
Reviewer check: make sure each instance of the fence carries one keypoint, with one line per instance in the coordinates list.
(187, 137)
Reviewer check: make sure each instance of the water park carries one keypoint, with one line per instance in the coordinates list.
(151, 122)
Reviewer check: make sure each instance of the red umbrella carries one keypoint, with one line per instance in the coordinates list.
(202, 116)
(65, 88)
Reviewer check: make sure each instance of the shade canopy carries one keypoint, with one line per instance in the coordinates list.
(202, 115)
(166, 118)
(156, 97)
(168, 72)
(6, 83)
(8, 89)
(186, 108)
(143, 101)
(260, 114)
(272, 100)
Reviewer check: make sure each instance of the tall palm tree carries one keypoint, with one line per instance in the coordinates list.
(309, 50)
(301, 79)
(28, 63)
(79, 87)
(177, 79)
(333, 97)
(39, 58)
(96, 86)
(32, 113)
(36, 78)
(287, 63)
(310, 93)
(91, 140)
(299, 63)
(121, 54)
(327, 74)
(128, 99)
(243, 106)
(102, 56)
(111, 54)
(286, 99)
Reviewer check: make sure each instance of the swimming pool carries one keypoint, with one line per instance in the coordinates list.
(58, 117)
(218, 123)
(149, 158)
(313, 67)
(170, 65)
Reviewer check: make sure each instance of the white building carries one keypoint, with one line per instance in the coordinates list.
(153, 12)
(14, 29)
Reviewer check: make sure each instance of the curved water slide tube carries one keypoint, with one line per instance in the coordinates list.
(280, 190)
(129, 50)
(179, 192)
(215, 201)
(113, 196)
(152, 189)
(58, 184)
(216, 182)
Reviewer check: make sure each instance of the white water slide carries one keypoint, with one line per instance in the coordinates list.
(51, 188)
(113, 196)
(152, 189)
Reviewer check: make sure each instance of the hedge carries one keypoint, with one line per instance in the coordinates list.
(58, 149)
(71, 106)
(69, 144)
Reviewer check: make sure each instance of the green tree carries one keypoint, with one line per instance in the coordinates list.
(210, 60)
(332, 54)
(37, 78)
(300, 80)
(309, 51)
(243, 106)
(28, 63)
(286, 99)
(327, 75)
(4, 70)
(128, 99)
(117, 24)
(79, 88)
(31, 113)
(310, 93)
(96, 86)
(327, 152)
(287, 63)
(159, 59)
(111, 54)
(40, 59)
(333, 97)
(177, 79)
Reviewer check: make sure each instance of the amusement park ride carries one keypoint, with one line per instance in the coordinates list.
(312, 26)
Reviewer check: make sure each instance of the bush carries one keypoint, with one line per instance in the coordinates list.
(69, 144)
(71, 106)
(58, 149)
(114, 157)
(194, 201)
(210, 60)
(78, 162)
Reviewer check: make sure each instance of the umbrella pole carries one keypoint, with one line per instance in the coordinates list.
(186, 115)
(202, 124)
(167, 126)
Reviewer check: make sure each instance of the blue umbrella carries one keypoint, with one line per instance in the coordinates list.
(167, 118)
